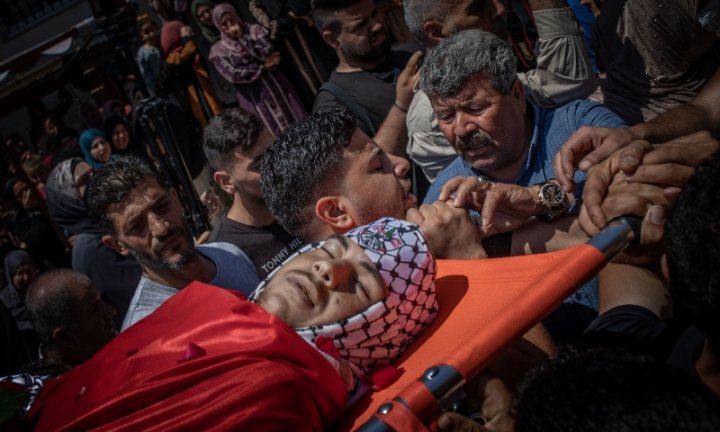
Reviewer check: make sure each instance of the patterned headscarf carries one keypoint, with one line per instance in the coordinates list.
(254, 39)
(380, 333)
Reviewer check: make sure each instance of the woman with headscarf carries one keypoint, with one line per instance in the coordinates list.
(181, 54)
(95, 147)
(260, 373)
(244, 56)
(114, 275)
(121, 137)
(201, 11)
(20, 272)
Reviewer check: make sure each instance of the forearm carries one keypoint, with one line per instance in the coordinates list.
(702, 113)
(563, 72)
(539, 237)
(623, 284)
(681, 121)
(392, 133)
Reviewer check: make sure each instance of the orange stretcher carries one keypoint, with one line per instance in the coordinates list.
(484, 306)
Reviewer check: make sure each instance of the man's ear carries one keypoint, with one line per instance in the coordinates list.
(331, 211)
(223, 180)
(433, 31)
(115, 245)
(517, 91)
(331, 39)
(62, 337)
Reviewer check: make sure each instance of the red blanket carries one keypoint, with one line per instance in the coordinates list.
(205, 360)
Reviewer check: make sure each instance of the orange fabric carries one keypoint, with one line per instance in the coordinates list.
(226, 364)
(484, 306)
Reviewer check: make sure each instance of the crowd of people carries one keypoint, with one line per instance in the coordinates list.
(338, 148)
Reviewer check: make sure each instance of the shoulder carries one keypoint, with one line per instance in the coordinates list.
(591, 113)
(224, 253)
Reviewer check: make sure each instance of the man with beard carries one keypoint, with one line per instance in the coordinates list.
(499, 133)
(145, 219)
(372, 81)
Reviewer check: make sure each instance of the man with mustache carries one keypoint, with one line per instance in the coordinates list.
(563, 71)
(500, 134)
(145, 219)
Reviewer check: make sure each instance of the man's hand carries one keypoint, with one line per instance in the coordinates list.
(449, 231)
(666, 165)
(587, 147)
(495, 401)
(406, 81)
(503, 207)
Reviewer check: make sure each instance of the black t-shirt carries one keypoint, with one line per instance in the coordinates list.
(373, 90)
(267, 246)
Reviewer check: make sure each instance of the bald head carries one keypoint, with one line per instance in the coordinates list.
(69, 318)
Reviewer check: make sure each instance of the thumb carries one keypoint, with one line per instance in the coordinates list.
(455, 422)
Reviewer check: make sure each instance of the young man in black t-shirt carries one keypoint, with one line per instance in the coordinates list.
(234, 143)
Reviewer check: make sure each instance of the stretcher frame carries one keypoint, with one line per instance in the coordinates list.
(509, 296)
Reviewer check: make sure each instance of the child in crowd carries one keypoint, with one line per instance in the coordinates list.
(245, 57)
(148, 55)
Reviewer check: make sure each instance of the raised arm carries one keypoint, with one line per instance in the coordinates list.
(564, 72)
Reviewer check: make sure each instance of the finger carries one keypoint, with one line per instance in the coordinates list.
(629, 158)
(465, 191)
(492, 200)
(671, 194)
(586, 222)
(653, 226)
(687, 150)
(414, 59)
(598, 155)
(596, 186)
(563, 160)
(455, 422)
(669, 174)
(413, 215)
(450, 187)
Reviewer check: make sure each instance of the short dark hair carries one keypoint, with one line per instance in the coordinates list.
(226, 132)
(612, 390)
(324, 14)
(693, 250)
(300, 161)
(111, 183)
(49, 302)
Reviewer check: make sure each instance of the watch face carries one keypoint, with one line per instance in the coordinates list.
(553, 195)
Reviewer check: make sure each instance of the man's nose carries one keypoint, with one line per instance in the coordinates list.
(400, 165)
(463, 125)
(333, 273)
(158, 225)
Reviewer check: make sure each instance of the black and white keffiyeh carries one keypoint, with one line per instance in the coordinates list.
(380, 333)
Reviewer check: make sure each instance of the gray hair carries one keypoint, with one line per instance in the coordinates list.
(419, 11)
(463, 56)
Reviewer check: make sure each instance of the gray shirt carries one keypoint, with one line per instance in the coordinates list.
(233, 271)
